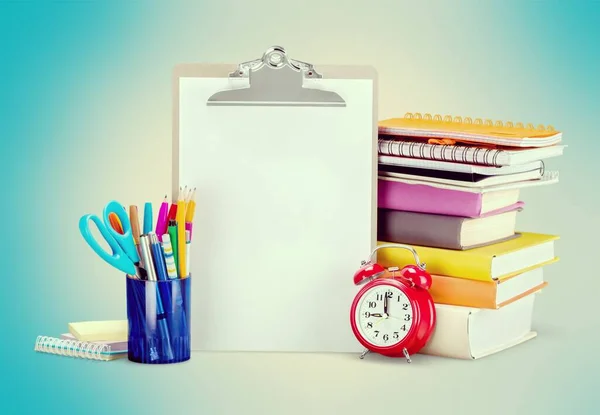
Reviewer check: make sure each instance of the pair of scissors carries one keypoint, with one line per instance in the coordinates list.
(124, 255)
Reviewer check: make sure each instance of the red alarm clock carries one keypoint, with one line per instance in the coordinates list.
(393, 314)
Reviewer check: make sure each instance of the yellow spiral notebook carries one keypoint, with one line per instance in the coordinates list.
(448, 130)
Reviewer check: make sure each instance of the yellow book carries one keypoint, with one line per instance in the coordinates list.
(488, 263)
(110, 330)
(450, 129)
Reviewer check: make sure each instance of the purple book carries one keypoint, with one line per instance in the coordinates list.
(422, 198)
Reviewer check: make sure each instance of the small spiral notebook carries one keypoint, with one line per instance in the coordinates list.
(94, 340)
(469, 131)
(69, 346)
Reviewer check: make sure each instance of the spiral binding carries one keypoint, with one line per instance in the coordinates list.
(447, 119)
(72, 348)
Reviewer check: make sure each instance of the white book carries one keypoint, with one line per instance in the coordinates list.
(473, 333)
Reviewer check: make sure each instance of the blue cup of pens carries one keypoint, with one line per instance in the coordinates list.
(158, 315)
(158, 281)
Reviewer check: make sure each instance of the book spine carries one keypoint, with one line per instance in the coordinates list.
(451, 263)
(441, 152)
(427, 199)
(463, 292)
(412, 228)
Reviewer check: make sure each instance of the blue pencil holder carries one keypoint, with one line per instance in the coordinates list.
(158, 314)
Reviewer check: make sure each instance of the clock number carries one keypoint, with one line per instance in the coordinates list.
(376, 333)
(389, 294)
(379, 297)
(385, 337)
(372, 304)
(404, 306)
(367, 314)
(396, 335)
(369, 325)
(403, 328)
(407, 317)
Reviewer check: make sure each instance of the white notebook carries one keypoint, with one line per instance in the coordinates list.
(460, 167)
(488, 181)
(466, 154)
(549, 177)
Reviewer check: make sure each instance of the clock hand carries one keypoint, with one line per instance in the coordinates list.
(385, 304)
(376, 315)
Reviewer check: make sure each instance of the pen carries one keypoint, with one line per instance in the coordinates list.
(181, 235)
(169, 257)
(172, 211)
(158, 257)
(147, 257)
(147, 218)
(162, 220)
(189, 213)
(161, 317)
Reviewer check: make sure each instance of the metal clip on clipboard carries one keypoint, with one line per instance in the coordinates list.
(276, 80)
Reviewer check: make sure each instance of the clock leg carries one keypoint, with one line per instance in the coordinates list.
(364, 353)
(406, 355)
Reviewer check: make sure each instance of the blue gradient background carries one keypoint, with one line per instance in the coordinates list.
(86, 117)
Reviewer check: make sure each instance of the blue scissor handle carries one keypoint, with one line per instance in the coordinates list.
(126, 239)
(118, 258)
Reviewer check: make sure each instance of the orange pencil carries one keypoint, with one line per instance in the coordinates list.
(135, 224)
(115, 222)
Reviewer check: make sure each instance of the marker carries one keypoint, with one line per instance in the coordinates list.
(173, 239)
(169, 257)
(147, 218)
(187, 250)
(181, 235)
(162, 219)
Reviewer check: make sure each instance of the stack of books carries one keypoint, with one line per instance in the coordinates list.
(451, 187)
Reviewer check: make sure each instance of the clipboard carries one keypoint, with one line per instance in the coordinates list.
(283, 155)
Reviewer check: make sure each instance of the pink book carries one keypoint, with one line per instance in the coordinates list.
(422, 198)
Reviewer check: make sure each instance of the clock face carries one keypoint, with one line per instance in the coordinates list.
(384, 315)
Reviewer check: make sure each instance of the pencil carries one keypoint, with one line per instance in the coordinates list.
(135, 224)
(189, 213)
(181, 235)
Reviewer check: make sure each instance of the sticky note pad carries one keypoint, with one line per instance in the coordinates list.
(99, 330)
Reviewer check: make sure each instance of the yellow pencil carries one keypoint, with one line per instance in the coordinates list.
(190, 207)
(181, 235)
